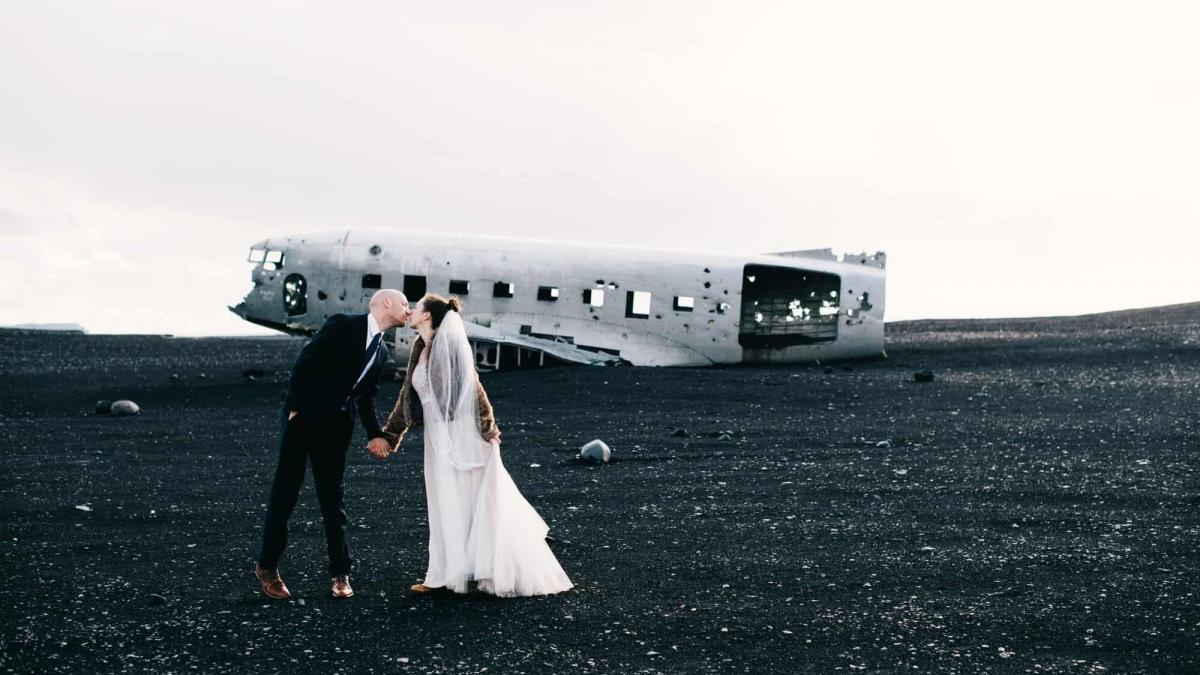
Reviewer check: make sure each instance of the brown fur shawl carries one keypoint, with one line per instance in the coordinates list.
(407, 412)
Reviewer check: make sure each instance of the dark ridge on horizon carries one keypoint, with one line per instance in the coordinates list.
(72, 328)
(1184, 312)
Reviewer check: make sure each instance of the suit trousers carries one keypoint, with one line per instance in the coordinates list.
(324, 445)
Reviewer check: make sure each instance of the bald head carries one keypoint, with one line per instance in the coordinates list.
(390, 308)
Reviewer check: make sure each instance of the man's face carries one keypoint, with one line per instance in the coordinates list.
(401, 311)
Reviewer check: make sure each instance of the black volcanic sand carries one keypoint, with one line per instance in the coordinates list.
(1034, 509)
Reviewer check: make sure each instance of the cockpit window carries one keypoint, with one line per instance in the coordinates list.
(257, 255)
(272, 260)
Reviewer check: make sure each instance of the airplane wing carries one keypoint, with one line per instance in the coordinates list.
(563, 351)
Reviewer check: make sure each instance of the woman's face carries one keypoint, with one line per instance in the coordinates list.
(421, 316)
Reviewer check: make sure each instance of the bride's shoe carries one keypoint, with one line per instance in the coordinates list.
(420, 588)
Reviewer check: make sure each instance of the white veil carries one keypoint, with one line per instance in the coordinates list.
(454, 412)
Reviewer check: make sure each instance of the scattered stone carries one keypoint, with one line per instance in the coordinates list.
(680, 433)
(251, 378)
(884, 444)
(175, 377)
(203, 376)
(923, 376)
(300, 602)
(103, 407)
(83, 507)
(256, 373)
(535, 466)
(156, 599)
(596, 451)
(124, 407)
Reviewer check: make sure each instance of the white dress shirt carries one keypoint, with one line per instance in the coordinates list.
(372, 331)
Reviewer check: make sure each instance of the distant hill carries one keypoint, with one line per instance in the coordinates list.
(1184, 314)
(51, 327)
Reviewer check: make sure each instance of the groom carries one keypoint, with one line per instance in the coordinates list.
(336, 371)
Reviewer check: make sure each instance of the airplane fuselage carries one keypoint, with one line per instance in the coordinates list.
(649, 307)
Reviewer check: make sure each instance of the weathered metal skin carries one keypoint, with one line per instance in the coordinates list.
(332, 266)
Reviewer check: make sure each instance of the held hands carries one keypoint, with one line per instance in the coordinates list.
(379, 447)
(495, 437)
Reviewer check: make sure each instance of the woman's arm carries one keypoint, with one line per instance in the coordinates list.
(396, 427)
(399, 421)
(487, 419)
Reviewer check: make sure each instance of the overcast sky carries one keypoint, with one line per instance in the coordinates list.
(1012, 158)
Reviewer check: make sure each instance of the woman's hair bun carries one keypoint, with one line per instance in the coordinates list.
(437, 306)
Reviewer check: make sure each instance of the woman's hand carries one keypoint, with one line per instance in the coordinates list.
(379, 447)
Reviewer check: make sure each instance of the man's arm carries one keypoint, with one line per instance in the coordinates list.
(365, 402)
(314, 353)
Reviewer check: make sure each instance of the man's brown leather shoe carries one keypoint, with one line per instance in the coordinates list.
(341, 587)
(272, 584)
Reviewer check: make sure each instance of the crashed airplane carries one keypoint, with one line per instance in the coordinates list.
(533, 303)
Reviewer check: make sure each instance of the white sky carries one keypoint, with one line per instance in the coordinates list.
(1013, 158)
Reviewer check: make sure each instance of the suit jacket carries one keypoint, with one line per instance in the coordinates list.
(323, 379)
(407, 413)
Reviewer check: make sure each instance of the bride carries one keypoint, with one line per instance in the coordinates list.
(480, 527)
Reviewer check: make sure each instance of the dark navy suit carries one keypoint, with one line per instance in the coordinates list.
(323, 392)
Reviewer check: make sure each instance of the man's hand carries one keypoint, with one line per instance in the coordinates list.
(379, 447)
(291, 414)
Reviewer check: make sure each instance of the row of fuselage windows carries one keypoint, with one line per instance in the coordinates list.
(637, 303)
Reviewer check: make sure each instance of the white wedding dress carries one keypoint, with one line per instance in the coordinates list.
(480, 526)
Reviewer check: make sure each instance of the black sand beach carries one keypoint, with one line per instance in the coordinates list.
(1033, 509)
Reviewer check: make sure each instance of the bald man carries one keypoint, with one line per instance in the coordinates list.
(337, 371)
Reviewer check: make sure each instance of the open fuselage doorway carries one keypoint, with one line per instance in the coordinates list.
(785, 306)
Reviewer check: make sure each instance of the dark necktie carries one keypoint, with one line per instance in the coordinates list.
(370, 354)
(368, 357)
